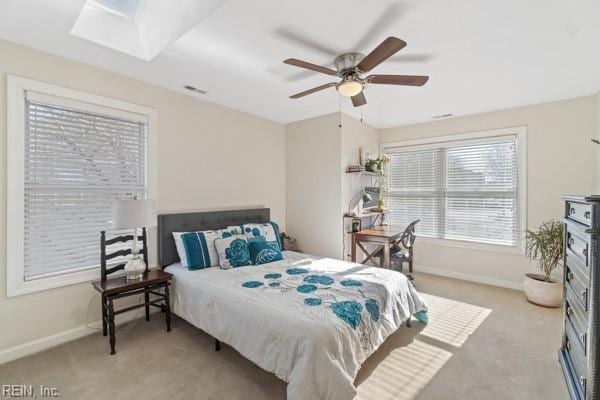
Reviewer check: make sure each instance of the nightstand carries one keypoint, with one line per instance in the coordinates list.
(119, 287)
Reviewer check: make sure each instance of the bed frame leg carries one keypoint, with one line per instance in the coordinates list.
(408, 322)
(217, 345)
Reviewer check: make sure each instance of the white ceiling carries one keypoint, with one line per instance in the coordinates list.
(481, 55)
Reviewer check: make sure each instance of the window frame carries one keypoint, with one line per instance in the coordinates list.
(479, 137)
(17, 88)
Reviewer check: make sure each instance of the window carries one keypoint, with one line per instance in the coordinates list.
(71, 156)
(467, 190)
(121, 8)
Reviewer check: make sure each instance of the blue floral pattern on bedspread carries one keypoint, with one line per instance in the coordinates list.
(359, 304)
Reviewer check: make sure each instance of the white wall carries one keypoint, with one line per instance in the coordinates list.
(561, 160)
(313, 184)
(318, 151)
(209, 157)
(597, 146)
(355, 134)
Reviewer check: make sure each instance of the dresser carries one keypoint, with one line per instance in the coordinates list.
(579, 354)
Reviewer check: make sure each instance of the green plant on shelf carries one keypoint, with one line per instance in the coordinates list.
(380, 167)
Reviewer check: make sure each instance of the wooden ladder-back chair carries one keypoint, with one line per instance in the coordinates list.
(119, 287)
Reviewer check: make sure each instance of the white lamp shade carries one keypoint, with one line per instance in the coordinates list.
(130, 214)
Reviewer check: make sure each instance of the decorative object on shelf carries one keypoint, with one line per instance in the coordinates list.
(374, 165)
(579, 353)
(379, 210)
(354, 168)
(545, 246)
(134, 214)
(383, 181)
(364, 196)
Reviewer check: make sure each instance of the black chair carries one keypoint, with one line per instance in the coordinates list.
(115, 288)
(403, 249)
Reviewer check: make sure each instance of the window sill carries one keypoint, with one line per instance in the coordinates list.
(18, 288)
(463, 244)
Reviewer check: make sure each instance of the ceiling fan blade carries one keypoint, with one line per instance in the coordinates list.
(313, 90)
(385, 50)
(313, 67)
(405, 80)
(388, 18)
(409, 58)
(359, 100)
(306, 40)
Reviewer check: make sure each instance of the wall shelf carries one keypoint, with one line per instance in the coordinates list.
(365, 173)
(367, 215)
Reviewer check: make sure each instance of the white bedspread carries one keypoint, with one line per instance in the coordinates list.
(312, 322)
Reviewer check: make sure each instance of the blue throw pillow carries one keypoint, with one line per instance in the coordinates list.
(263, 252)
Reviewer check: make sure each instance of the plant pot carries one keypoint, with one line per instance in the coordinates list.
(543, 293)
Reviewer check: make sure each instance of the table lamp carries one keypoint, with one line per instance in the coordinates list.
(364, 196)
(134, 214)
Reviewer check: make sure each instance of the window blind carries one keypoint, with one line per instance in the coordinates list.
(463, 191)
(77, 163)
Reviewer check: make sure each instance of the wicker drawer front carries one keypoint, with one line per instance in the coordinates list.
(579, 212)
(577, 245)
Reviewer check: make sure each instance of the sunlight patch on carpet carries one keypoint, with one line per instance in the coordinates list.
(404, 372)
(452, 321)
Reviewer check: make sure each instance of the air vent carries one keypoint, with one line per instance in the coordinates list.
(442, 116)
(194, 89)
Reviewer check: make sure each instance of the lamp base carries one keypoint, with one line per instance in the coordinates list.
(135, 268)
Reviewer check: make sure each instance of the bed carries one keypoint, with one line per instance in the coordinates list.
(311, 321)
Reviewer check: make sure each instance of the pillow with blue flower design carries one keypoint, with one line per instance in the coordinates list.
(263, 252)
(267, 232)
(233, 251)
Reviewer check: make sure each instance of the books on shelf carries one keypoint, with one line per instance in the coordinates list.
(355, 168)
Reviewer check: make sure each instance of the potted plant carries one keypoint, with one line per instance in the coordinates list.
(545, 246)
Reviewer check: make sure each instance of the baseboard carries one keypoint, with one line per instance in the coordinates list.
(38, 345)
(471, 278)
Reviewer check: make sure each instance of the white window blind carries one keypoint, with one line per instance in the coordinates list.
(464, 191)
(77, 163)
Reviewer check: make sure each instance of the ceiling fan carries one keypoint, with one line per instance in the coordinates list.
(350, 67)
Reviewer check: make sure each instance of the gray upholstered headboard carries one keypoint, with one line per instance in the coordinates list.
(200, 221)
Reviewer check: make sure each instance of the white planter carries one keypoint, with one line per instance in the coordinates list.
(542, 293)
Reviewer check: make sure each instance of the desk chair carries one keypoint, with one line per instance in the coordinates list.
(403, 249)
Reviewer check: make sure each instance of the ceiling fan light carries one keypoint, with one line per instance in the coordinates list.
(349, 88)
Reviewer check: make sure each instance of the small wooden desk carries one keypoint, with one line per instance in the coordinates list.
(383, 235)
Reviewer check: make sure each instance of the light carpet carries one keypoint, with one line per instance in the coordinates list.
(482, 343)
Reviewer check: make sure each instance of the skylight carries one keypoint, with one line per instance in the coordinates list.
(122, 8)
(139, 27)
